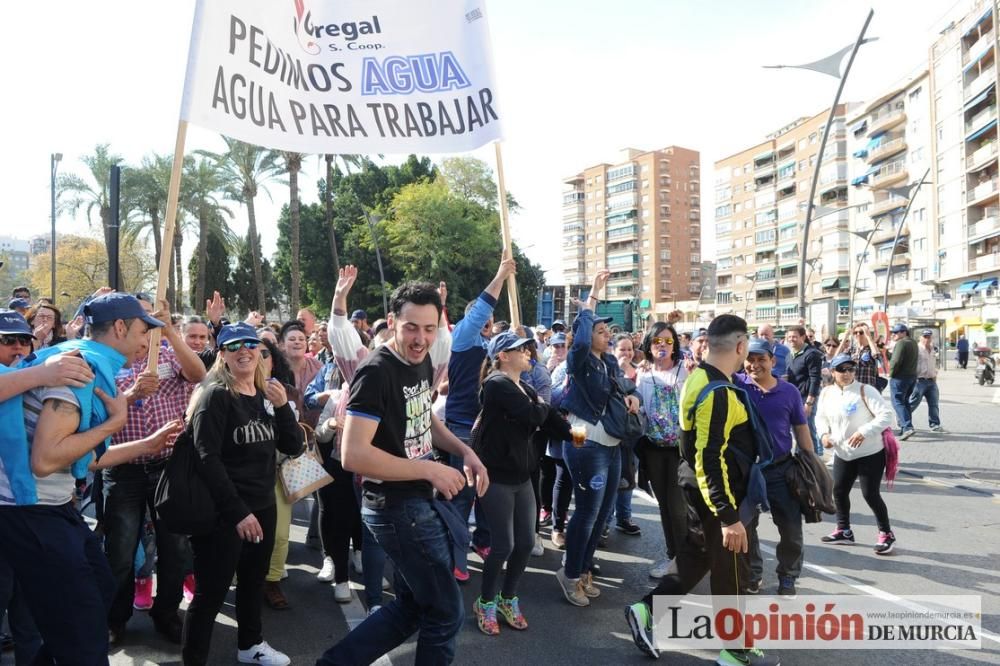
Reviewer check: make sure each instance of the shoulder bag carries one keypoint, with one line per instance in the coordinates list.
(304, 474)
(182, 499)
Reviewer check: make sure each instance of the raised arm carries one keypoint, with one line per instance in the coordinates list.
(348, 350)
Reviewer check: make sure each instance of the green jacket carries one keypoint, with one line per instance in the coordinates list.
(903, 363)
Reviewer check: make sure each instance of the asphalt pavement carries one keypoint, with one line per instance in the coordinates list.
(945, 512)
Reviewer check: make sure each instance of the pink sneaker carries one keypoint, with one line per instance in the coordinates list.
(461, 576)
(482, 551)
(143, 599)
(189, 588)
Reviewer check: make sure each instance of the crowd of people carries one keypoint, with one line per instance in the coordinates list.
(420, 425)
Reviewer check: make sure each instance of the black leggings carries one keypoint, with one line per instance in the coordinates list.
(511, 512)
(660, 465)
(556, 490)
(217, 556)
(869, 470)
(339, 519)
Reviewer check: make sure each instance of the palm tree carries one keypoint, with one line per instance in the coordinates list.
(293, 165)
(246, 169)
(202, 183)
(348, 161)
(94, 195)
(144, 207)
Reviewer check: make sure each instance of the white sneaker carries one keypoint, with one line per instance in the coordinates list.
(356, 561)
(284, 574)
(326, 573)
(386, 585)
(538, 549)
(373, 610)
(262, 653)
(660, 570)
(342, 592)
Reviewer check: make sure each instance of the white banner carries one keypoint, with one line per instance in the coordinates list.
(344, 76)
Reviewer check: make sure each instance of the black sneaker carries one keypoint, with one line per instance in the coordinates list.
(640, 623)
(786, 586)
(885, 543)
(602, 541)
(628, 527)
(839, 536)
(595, 567)
(753, 587)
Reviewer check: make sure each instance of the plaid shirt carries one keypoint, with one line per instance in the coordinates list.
(148, 415)
(867, 371)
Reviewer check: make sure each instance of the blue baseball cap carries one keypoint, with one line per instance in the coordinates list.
(504, 342)
(236, 333)
(12, 323)
(841, 359)
(19, 304)
(899, 328)
(114, 306)
(927, 333)
(558, 322)
(760, 346)
(359, 315)
(558, 339)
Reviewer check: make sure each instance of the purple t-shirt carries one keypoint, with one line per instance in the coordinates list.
(781, 408)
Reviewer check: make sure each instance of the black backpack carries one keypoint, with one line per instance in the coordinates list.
(182, 500)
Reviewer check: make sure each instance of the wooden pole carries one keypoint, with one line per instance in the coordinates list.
(515, 307)
(173, 194)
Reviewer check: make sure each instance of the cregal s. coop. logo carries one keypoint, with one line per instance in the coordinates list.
(303, 29)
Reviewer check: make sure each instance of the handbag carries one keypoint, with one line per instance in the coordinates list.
(891, 446)
(304, 474)
(182, 499)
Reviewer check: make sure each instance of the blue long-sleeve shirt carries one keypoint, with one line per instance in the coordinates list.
(468, 351)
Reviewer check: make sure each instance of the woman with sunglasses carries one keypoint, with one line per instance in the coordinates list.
(861, 347)
(830, 348)
(850, 418)
(626, 351)
(236, 435)
(659, 385)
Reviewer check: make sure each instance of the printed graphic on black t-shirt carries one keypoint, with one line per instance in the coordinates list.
(418, 419)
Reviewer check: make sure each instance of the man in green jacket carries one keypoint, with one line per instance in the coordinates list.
(903, 377)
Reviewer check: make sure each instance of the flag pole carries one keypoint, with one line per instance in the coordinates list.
(167, 245)
(515, 306)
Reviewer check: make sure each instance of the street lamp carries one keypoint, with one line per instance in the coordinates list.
(54, 159)
(829, 65)
(753, 281)
(895, 241)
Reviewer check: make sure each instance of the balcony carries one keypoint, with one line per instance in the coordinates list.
(572, 211)
(886, 121)
(978, 121)
(887, 233)
(619, 234)
(987, 227)
(982, 192)
(985, 262)
(622, 281)
(981, 157)
(977, 49)
(886, 205)
(886, 150)
(622, 202)
(623, 262)
(890, 174)
(570, 198)
(899, 259)
(570, 227)
(978, 84)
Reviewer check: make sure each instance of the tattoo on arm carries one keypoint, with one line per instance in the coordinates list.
(62, 406)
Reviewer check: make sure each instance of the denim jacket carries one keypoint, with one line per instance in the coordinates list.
(589, 377)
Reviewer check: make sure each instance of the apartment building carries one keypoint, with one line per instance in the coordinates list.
(639, 217)
(889, 140)
(963, 85)
(15, 253)
(761, 195)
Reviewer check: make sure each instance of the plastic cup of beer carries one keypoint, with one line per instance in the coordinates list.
(579, 434)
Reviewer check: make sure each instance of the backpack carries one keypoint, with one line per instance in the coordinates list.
(182, 500)
(756, 497)
(810, 484)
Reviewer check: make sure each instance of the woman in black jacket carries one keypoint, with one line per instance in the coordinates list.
(511, 414)
(236, 434)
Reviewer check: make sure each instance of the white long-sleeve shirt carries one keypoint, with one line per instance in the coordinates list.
(840, 412)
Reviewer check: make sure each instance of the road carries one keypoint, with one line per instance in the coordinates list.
(945, 511)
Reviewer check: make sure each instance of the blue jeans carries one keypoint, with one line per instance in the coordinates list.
(464, 502)
(787, 516)
(595, 470)
(811, 420)
(428, 599)
(64, 577)
(900, 390)
(128, 492)
(372, 561)
(927, 388)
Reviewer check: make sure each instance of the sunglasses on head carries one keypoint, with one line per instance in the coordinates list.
(662, 341)
(239, 344)
(8, 340)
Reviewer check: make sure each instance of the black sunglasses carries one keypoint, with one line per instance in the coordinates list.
(845, 368)
(9, 340)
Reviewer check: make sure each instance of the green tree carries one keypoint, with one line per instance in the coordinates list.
(76, 193)
(472, 179)
(243, 294)
(202, 182)
(293, 165)
(217, 270)
(247, 169)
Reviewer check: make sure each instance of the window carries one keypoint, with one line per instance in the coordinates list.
(765, 236)
(920, 244)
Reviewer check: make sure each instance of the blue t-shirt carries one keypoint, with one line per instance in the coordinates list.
(781, 408)
(780, 360)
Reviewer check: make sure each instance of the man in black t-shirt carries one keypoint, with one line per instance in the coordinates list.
(388, 438)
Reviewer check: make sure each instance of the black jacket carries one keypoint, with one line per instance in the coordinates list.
(510, 417)
(805, 370)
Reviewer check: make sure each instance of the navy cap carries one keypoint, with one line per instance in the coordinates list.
(760, 346)
(899, 328)
(841, 359)
(359, 315)
(380, 325)
(927, 333)
(558, 322)
(114, 306)
(12, 323)
(236, 332)
(19, 304)
(504, 342)
(701, 332)
(558, 339)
